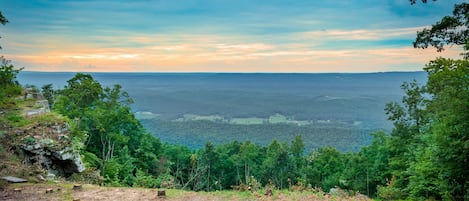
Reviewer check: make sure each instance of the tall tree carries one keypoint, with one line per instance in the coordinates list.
(409, 120)
(209, 157)
(48, 93)
(448, 83)
(80, 93)
(248, 153)
(297, 149)
(447, 134)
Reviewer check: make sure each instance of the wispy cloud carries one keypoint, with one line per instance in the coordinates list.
(362, 34)
(222, 36)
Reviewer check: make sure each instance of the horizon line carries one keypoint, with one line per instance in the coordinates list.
(214, 72)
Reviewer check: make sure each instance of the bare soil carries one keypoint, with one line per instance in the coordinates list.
(94, 193)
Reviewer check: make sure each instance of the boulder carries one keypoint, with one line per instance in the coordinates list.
(63, 162)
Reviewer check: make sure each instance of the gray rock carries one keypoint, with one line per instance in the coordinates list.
(14, 179)
(62, 162)
(40, 177)
(50, 176)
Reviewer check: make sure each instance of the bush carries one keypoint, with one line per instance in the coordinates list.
(390, 192)
(144, 180)
(90, 175)
(29, 140)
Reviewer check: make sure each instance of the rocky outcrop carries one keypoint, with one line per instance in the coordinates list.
(43, 139)
(49, 145)
(62, 162)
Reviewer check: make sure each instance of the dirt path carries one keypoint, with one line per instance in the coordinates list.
(95, 193)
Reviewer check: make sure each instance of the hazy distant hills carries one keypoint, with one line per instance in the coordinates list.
(190, 108)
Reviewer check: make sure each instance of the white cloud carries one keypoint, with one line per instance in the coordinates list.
(361, 34)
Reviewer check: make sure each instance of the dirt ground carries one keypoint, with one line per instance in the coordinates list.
(95, 193)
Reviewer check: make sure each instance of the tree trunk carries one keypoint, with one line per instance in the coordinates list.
(208, 179)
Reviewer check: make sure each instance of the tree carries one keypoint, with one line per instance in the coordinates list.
(297, 149)
(409, 121)
(209, 157)
(415, 1)
(80, 94)
(428, 146)
(3, 21)
(48, 93)
(327, 166)
(10, 86)
(448, 83)
(451, 30)
(180, 157)
(376, 160)
(248, 153)
(447, 135)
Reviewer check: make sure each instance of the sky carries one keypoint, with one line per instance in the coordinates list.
(219, 35)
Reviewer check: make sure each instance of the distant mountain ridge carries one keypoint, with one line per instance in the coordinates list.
(353, 100)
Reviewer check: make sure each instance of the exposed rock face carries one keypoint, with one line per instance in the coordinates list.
(45, 138)
(63, 162)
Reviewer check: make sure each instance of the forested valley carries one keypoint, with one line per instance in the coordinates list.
(425, 156)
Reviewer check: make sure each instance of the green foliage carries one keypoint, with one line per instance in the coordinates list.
(451, 30)
(29, 140)
(81, 93)
(390, 191)
(111, 173)
(16, 120)
(196, 133)
(90, 160)
(145, 180)
(3, 21)
(428, 155)
(49, 94)
(90, 175)
(10, 86)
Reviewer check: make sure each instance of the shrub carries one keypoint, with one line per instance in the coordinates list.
(29, 140)
(144, 180)
(90, 175)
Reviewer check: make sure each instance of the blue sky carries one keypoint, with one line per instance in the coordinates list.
(219, 35)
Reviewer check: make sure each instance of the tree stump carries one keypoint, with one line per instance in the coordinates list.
(161, 193)
(268, 192)
(77, 187)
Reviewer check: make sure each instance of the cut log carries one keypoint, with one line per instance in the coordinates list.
(268, 192)
(161, 193)
(77, 187)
